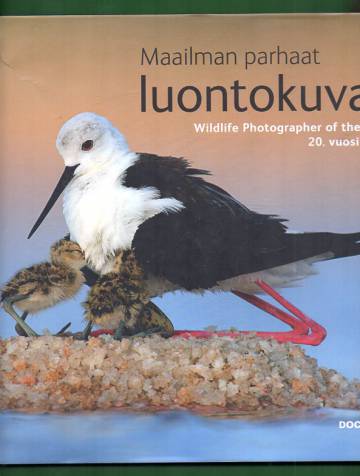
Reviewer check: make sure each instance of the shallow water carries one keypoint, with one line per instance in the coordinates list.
(176, 436)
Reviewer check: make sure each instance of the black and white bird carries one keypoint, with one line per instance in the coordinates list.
(186, 232)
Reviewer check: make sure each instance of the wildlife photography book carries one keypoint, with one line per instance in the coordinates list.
(180, 238)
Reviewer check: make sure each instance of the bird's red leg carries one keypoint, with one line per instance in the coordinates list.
(299, 327)
(304, 330)
(316, 334)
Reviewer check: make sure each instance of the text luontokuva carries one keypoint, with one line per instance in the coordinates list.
(241, 97)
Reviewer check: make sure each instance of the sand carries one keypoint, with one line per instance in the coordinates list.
(245, 374)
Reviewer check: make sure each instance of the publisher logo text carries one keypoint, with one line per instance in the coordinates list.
(349, 424)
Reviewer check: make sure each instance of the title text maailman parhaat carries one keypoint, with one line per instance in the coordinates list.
(191, 56)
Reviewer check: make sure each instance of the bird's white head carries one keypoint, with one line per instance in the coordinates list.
(89, 138)
(86, 141)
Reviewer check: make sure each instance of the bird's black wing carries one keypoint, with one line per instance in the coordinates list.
(215, 237)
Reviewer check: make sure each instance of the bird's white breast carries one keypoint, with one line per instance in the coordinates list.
(103, 215)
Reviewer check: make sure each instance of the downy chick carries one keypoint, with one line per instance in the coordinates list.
(119, 301)
(45, 284)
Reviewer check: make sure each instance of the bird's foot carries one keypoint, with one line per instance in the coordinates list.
(304, 329)
(86, 332)
(19, 330)
(62, 331)
(119, 332)
(149, 332)
(9, 308)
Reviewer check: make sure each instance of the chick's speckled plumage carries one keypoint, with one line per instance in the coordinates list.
(42, 285)
(121, 296)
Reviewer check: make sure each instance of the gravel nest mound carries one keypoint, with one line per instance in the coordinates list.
(248, 374)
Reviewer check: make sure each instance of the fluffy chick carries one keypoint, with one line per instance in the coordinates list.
(45, 284)
(119, 301)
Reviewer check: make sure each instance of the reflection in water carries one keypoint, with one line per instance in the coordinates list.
(105, 437)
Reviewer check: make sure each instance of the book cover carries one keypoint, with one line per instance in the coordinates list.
(268, 105)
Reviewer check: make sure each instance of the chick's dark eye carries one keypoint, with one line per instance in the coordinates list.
(87, 145)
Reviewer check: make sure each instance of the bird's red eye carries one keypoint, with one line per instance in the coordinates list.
(87, 145)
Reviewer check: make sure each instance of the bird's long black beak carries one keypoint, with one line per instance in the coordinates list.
(65, 178)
